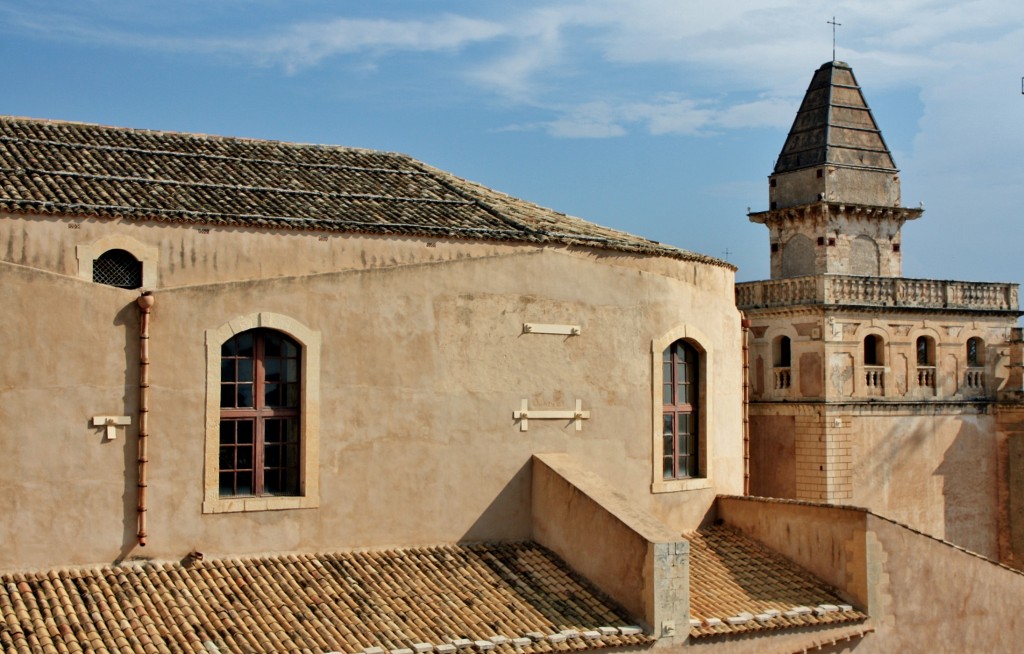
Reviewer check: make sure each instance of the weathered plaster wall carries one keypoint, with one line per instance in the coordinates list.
(773, 456)
(923, 595)
(423, 362)
(936, 473)
(630, 555)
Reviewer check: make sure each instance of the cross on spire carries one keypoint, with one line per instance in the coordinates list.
(834, 24)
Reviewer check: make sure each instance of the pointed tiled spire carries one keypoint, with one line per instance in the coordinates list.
(834, 126)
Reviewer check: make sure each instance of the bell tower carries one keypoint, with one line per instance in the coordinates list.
(868, 388)
(834, 195)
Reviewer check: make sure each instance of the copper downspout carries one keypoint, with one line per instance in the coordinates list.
(745, 325)
(145, 303)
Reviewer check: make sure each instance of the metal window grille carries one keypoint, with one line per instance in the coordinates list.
(117, 268)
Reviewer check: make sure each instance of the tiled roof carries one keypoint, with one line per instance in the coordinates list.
(90, 170)
(739, 586)
(509, 598)
(834, 125)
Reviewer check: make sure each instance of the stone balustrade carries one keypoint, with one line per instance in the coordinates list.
(852, 290)
(926, 376)
(874, 380)
(974, 380)
(783, 378)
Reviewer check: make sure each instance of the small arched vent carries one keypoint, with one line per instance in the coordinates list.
(117, 268)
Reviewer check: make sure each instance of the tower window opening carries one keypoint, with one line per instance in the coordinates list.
(873, 350)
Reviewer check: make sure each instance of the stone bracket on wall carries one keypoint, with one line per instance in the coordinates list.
(110, 424)
(524, 414)
(539, 328)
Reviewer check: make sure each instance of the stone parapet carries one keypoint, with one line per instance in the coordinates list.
(860, 291)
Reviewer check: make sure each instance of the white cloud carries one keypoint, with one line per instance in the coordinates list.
(307, 44)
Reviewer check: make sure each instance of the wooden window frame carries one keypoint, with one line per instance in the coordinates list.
(258, 413)
(703, 480)
(680, 451)
(309, 439)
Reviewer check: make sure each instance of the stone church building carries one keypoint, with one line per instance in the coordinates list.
(868, 388)
(274, 397)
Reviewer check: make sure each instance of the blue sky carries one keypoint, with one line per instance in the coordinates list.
(660, 117)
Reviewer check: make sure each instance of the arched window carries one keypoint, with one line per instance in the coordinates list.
(975, 352)
(874, 352)
(925, 351)
(117, 268)
(260, 398)
(782, 352)
(680, 403)
(925, 361)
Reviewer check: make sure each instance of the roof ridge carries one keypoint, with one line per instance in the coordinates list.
(7, 118)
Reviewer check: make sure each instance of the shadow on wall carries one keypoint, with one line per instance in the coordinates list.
(969, 490)
(508, 516)
(891, 468)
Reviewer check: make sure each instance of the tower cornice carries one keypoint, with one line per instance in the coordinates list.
(824, 210)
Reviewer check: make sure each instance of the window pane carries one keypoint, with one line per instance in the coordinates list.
(291, 430)
(227, 484)
(291, 349)
(227, 458)
(272, 431)
(292, 396)
(291, 481)
(243, 482)
(272, 369)
(227, 370)
(272, 395)
(291, 372)
(244, 343)
(243, 457)
(244, 395)
(245, 430)
(227, 395)
(272, 456)
(245, 370)
(271, 345)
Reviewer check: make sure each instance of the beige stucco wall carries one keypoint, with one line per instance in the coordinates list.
(922, 595)
(629, 554)
(423, 361)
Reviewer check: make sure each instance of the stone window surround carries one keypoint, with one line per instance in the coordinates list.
(87, 253)
(698, 340)
(309, 491)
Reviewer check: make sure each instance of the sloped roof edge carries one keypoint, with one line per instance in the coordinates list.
(82, 169)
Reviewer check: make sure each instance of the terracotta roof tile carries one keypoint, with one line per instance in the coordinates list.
(480, 598)
(78, 169)
(739, 586)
